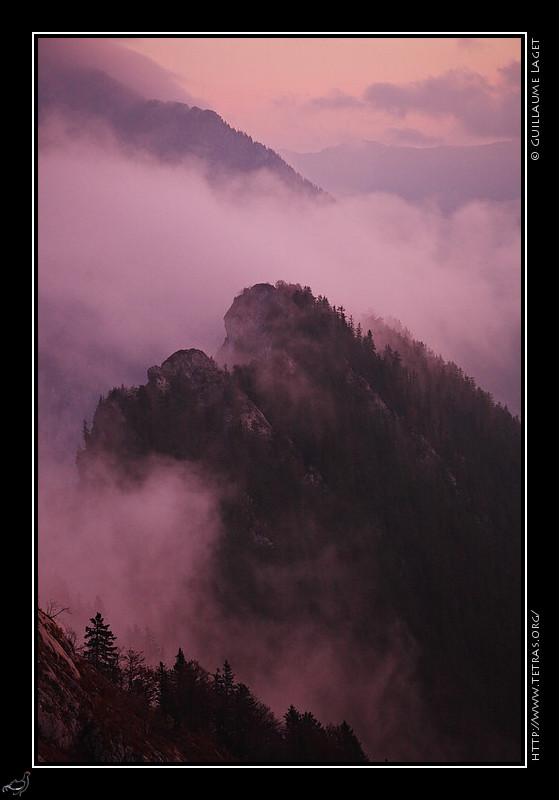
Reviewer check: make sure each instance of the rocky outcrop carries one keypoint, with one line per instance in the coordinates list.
(257, 322)
(189, 407)
(62, 703)
(190, 369)
(202, 383)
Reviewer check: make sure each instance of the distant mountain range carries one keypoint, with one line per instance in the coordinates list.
(449, 175)
(173, 132)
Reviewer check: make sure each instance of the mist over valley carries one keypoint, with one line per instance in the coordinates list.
(278, 423)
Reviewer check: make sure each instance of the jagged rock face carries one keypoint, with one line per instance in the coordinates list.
(192, 364)
(188, 408)
(254, 324)
(62, 703)
(210, 387)
(279, 329)
(192, 369)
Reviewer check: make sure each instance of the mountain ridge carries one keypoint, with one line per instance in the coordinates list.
(372, 496)
(171, 131)
(451, 175)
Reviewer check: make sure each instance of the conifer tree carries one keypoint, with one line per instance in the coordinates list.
(180, 681)
(164, 700)
(347, 744)
(137, 677)
(100, 647)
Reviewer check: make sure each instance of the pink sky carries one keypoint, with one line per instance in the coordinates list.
(270, 85)
(115, 235)
(307, 92)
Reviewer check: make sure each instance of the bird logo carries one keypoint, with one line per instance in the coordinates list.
(17, 787)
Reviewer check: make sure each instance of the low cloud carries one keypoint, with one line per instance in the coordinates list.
(137, 260)
(335, 99)
(143, 556)
(141, 552)
(477, 105)
(468, 100)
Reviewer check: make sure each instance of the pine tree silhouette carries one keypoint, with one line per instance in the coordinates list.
(100, 647)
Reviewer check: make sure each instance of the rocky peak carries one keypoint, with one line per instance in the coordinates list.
(193, 373)
(260, 321)
(247, 324)
(187, 367)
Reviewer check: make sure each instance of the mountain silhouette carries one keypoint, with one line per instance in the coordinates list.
(173, 132)
(373, 513)
(451, 176)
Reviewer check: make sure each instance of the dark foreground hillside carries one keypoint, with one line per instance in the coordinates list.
(134, 714)
(371, 526)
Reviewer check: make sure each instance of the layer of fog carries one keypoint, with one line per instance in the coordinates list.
(136, 261)
(142, 557)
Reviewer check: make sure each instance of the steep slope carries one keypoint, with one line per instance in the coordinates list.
(82, 717)
(92, 102)
(372, 519)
